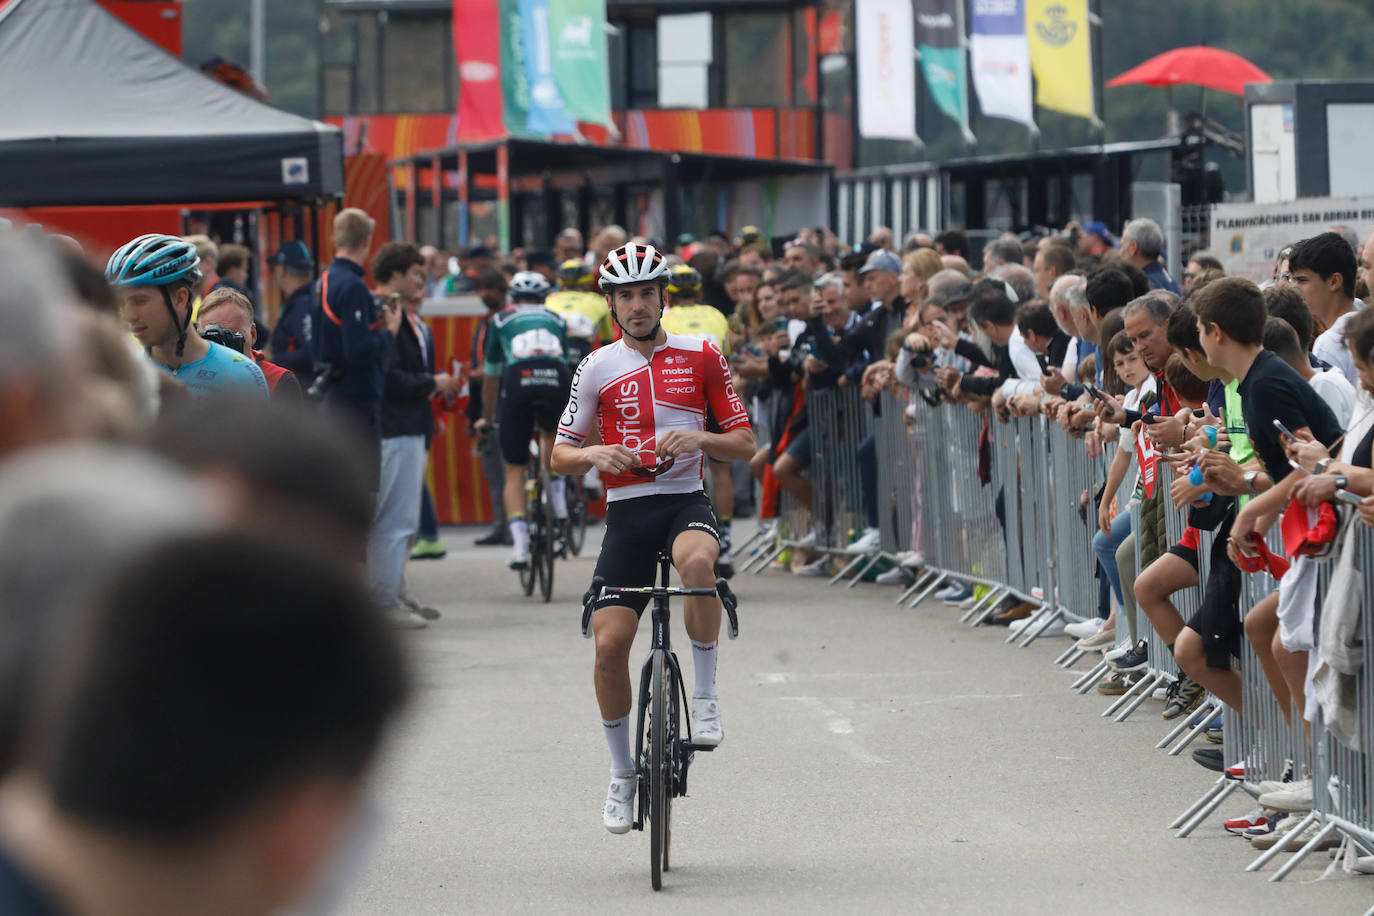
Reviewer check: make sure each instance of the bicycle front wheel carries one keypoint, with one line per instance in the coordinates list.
(660, 758)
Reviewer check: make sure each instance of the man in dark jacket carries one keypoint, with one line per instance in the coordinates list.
(491, 289)
(407, 423)
(292, 344)
(357, 333)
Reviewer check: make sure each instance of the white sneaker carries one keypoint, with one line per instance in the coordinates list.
(968, 603)
(1084, 628)
(813, 537)
(518, 559)
(1120, 650)
(1019, 627)
(1295, 797)
(706, 727)
(817, 569)
(949, 591)
(869, 542)
(915, 561)
(897, 575)
(403, 618)
(618, 815)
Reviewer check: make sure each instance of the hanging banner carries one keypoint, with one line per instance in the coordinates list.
(577, 30)
(939, 38)
(887, 69)
(1001, 59)
(1061, 55)
(477, 49)
(533, 105)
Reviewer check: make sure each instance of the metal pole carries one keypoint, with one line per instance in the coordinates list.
(257, 41)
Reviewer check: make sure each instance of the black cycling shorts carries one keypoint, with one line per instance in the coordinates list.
(533, 393)
(637, 530)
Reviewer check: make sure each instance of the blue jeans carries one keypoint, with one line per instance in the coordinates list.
(396, 516)
(429, 522)
(1105, 548)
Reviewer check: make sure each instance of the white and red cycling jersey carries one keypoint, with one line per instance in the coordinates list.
(634, 401)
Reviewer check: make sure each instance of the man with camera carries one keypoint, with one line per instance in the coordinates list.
(357, 333)
(407, 422)
(226, 318)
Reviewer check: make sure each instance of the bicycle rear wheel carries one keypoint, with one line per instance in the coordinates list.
(659, 760)
(544, 558)
(577, 516)
(529, 575)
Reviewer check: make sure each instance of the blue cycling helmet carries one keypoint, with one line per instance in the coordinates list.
(157, 260)
(154, 260)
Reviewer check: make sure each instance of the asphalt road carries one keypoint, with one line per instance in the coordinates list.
(875, 758)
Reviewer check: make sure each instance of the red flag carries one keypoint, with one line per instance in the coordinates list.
(477, 48)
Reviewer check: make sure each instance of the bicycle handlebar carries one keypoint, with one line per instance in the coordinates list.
(728, 601)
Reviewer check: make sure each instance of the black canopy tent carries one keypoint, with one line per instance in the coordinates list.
(92, 113)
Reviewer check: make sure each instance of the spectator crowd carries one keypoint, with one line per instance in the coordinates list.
(159, 428)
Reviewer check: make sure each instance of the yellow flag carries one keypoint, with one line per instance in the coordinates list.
(1061, 55)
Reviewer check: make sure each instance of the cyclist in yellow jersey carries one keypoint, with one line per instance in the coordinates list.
(584, 312)
(686, 315)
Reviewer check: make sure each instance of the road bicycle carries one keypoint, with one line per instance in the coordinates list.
(543, 528)
(662, 755)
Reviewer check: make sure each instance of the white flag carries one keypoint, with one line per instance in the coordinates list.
(887, 69)
(1000, 58)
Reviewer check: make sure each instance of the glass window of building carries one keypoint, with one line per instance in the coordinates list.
(417, 64)
(684, 60)
(758, 63)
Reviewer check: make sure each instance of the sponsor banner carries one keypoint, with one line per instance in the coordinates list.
(577, 33)
(939, 37)
(533, 104)
(887, 69)
(1246, 238)
(1001, 59)
(477, 49)
(1061, 55)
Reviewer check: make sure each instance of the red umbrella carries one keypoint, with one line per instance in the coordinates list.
(1197, 66)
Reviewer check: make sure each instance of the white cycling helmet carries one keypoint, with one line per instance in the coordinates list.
(528, 286)
(632, 263)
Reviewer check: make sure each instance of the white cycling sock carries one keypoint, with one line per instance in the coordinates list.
(520, 534)
(618, 740)
(704, 661)
(559, 497)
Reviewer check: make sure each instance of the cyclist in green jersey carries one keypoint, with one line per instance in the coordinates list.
(524, 351)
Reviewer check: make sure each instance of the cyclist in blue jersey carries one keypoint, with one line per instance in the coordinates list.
(153, 276)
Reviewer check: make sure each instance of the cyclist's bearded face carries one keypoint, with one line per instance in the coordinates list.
(638, 307)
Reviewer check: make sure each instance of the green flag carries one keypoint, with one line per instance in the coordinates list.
(578, 36)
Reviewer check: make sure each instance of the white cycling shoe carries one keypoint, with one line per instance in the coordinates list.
(619, 813)
(706, 727)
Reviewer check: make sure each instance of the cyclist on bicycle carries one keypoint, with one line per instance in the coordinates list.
(689, 316)
(648, 393)
(153, 276)
(525, 353)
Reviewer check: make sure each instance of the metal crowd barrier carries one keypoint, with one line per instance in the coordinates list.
(1022, 534)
